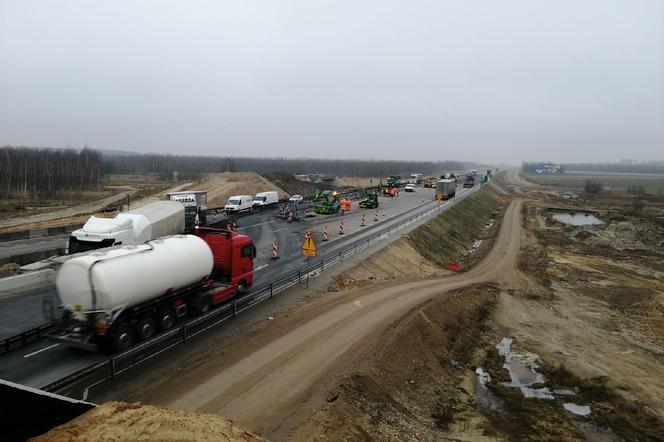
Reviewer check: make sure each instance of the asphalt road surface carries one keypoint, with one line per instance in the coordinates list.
(27, 365)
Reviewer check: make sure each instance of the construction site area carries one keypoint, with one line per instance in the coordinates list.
(549, 330)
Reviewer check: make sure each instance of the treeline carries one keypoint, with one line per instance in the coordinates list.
(28, 172)
(39, 172)
(191, 167)
(643, 167)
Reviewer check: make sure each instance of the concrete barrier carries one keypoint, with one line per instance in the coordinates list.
(18, 285)
(39, 233)
(31, 257)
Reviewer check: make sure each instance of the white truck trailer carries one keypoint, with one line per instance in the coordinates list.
(445, 189)
(161, 218)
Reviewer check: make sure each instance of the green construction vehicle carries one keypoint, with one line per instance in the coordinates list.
(370, 200)
(393, 181)
(326, 203)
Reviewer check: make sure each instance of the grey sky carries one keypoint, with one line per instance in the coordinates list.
(566, 80)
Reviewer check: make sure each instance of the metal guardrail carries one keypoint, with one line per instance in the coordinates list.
(23, 339)
(103, 371)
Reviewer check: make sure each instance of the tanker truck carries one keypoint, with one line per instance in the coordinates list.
(116, 297)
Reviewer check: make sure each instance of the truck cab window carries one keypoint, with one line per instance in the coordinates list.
(247, 251)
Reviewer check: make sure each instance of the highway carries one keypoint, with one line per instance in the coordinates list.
(27, 365)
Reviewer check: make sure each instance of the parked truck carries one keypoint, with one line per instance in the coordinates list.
(469, 181)
(415, 178)
(137, 226)
(117, 297)
(195, 207)
(445, 189)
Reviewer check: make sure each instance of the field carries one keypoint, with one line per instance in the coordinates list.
(652, 184)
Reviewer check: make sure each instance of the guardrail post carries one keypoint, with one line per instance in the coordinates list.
(112, 364)
(299, 276)
(234, 308)
(184, 333)
(322, 264)
(271, 290)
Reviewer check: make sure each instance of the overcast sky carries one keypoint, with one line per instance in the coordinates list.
(561, 80)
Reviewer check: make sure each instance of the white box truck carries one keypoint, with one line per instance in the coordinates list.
(264, 199)
(445, 189)
(137, 226)
(238, 203)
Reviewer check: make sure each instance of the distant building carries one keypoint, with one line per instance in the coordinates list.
(548, 168)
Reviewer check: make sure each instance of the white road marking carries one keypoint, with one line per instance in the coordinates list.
(261, 267)
(39, 351)
(255, 225)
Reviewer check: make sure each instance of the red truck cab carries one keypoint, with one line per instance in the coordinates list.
(234, 255)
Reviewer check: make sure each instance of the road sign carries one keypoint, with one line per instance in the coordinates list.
(308, 247)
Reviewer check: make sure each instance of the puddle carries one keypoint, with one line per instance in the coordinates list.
(483, 396)
(580, 410)
(575, 218)
(523, 374)
(521, 368)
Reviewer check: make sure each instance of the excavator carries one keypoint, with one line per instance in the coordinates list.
(326, 202)
(392, 184)
(369, 201)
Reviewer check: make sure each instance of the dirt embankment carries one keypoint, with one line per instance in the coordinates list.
(461, 234)
(411, 388)
(221, 186)
(294, 186)
(123, 422)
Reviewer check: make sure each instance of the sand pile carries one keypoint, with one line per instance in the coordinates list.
(120, 421)
(220, 186)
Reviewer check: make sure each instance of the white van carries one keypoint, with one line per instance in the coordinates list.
(263, 199)
(238, 203)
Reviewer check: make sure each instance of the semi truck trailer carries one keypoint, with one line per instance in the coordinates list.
(153, 220)
(119, 296)
(195, 207)
(445, 189)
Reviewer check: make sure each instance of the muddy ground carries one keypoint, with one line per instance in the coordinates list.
(583, 312)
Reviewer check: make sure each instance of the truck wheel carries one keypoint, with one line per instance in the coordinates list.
(146, 327)
(166, 319)
(123, 337)
(241, 288)
(200, 304)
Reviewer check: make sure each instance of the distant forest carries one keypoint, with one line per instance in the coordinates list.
(189, 167)
(26, 172)
(40, 172)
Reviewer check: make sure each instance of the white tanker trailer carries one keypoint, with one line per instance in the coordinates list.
(117, 296)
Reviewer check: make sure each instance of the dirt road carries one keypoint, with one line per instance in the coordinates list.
(263, 388)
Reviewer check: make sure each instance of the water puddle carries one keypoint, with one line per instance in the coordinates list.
(523, 375)
(575, 218)
(580, 410)
(483, 396)
(522, 368)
